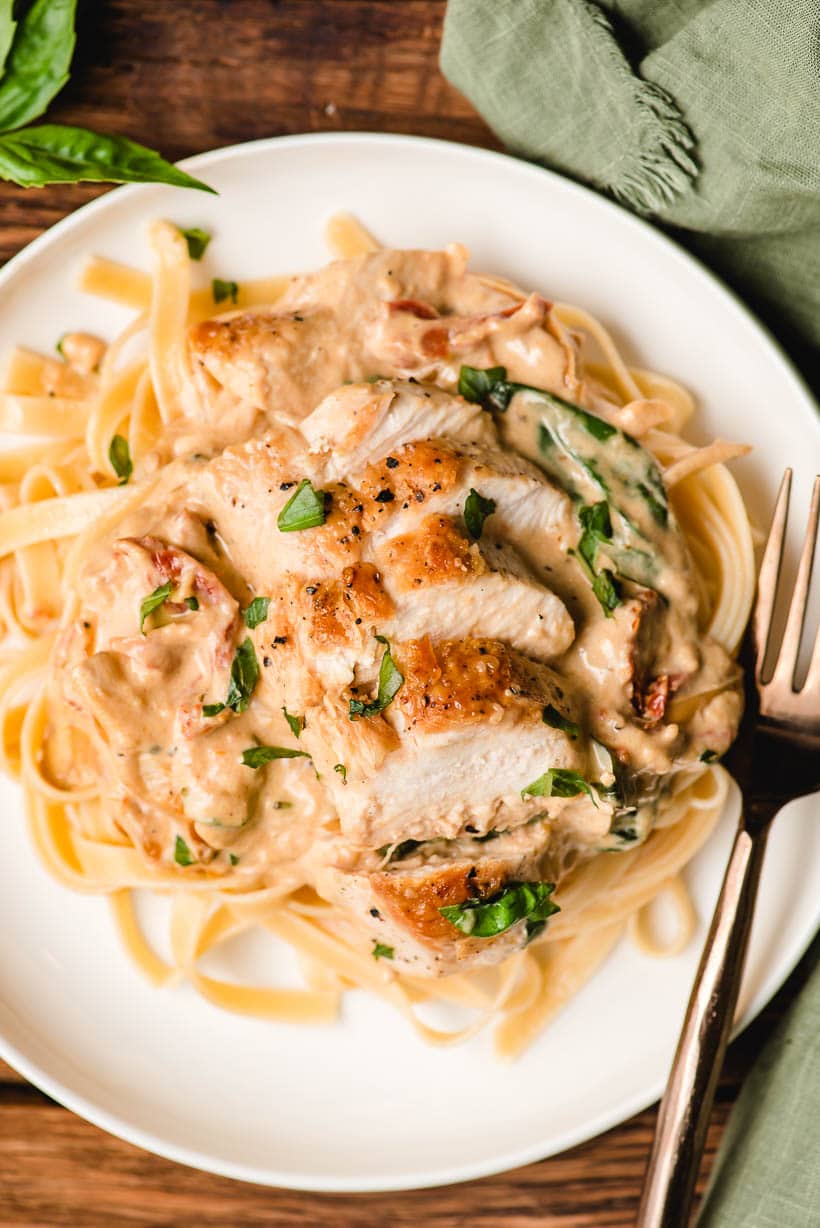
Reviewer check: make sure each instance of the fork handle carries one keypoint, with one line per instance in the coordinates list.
(684, 1114)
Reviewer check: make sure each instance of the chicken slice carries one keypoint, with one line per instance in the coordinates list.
(398, 903)
(444, 585)
(465, 733)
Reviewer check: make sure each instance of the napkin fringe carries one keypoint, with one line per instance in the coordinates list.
(659, 165)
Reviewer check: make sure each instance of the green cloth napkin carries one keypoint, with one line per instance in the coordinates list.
(703, 115)
(767, 1173)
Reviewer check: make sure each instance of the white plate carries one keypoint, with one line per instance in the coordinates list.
(363, 1105)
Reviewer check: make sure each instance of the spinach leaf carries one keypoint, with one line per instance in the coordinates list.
(476, 511)
(596, 525)
(559, 782)
(258, 756)
(153, 601)
(528, 902)
(296, 723)
(256, 612)
(390, 683)
(192, 603)
(709, 756)
(305, 509)
(119, 455)
(56, 153)
(233, 859)
(212, 709)
(182, 854)
(224, 289)
(380, 951)
(551, 716)
(197, 241)
(244, 677)
(38, 62)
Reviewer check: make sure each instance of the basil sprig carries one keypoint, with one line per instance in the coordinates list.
(36, 67)
(305, 509)
(119, 455)
(258, 756)
(390, 683)
(476, 511)
(559, 782)
(382, 951)
(528, 902)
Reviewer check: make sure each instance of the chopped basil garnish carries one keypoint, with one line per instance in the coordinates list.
(192, 603)
(380, 951)
(476, 511)
(528, 902)
(596, 525)
(551, 716)
(258, 756)
(212, 709)
(154, 601)
(197, 241)
(224, 289)
(559, 782)
(244, 677)
(182, 854)
(233, 859)
(256, 612)
(390, 683)
(305, 509)
(489, 388)
(119, 454)
(296, 723)
(342, 770)
(709, 756)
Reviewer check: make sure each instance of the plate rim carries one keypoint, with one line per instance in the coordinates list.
(627, 1108)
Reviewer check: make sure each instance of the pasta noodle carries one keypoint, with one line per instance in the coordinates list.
(60, 496)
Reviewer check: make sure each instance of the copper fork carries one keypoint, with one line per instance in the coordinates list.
(779, 741)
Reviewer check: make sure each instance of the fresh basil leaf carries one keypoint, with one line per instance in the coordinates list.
(559, 782)
(197, 241)
(7, 27)
(57, 153)
(256, 612)
(709, 756)
(192, 603)
(296, 723)
(212, 709)
(258, 756)
(597, 427)
(551, 716)
(380, 951)
(305, 509)
(342, 770)
(244, 677)
(476, 511)
(38, 62)
(222, 290)
(153, 601)
(489, 388)
(606, 589)
(528, 902)
(119, 454)
(390, 683)
(182, 854)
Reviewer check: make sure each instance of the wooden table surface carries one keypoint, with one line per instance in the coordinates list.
(190, 75)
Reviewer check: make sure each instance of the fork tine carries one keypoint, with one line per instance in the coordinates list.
(784, 670)
(770, 575)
